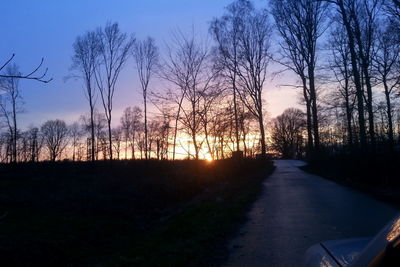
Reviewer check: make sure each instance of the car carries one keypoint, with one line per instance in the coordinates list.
(381, 250)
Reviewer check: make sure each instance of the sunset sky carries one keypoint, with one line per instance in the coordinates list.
(48, 28)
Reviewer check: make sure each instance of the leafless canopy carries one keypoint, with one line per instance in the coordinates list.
(114, 47)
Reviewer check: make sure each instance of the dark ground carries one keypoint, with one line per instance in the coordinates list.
(123, 213)
(297, 210)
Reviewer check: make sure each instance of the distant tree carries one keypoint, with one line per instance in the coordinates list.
(114, 51)
(55, 136)
(159, 133)
(146, 57)
(35, 142)
(131, 124)
(75, 133)
(117, 134)
(126, 125)
(287, 132)
(85, 60)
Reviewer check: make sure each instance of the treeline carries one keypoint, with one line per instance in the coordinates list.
(346, 58)
(204, 100)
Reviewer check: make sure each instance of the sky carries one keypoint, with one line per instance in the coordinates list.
(33, 29)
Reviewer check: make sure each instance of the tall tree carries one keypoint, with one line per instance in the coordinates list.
(146, 56)
(300, 24)
(364, 17)
(11, 105)
(226, 32)
(349, 17)
(85, 60)
(341, 68)
(254, 44)
(114, 51)
(386, 63)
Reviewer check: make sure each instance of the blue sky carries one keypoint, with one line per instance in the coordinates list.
(35, 29)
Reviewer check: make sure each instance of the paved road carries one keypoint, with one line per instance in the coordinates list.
(297, 210)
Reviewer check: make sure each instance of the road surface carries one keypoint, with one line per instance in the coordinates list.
(297, 210)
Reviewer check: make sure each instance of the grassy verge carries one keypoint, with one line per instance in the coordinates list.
(126, 213)
(376, 176)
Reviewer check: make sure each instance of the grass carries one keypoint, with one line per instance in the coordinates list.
(124, 213)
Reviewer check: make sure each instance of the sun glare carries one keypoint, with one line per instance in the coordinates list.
(208, 158)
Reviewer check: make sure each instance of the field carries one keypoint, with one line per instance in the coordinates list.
(124, 212)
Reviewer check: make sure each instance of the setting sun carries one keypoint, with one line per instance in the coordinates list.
(208, 158)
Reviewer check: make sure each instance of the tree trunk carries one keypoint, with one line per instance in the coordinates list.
(310, 143)
(133, 145)
(14, 133)
(236, 113)
(349, 118)
(262, 132)
(110, 138)
(389, 113)
(145, 125)
(314, 108)
(92, 131)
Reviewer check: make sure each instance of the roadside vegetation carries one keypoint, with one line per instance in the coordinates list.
(145, 213)
(374, 174)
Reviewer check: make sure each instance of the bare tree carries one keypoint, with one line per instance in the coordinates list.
(341, 68)
(114, 51)
(131, 124)
(300, 24)
(75, 133)
(226, 32)
(146, 56)
(10, 96)
(359, 20)
(254, 45)
(126, 125)
(35, 142)
(100, 123)
(188, 69)
(55, 135)
(85, 60)
(386, 63)
(365, 16)
(33, 75)
(159, 135)
(117, 134)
